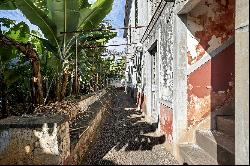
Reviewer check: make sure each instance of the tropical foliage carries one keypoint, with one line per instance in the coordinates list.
(41, 68)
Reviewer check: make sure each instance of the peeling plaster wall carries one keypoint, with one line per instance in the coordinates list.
(162, 34)
(166, 47)
(209, 24)
(166, 119)
(211, 85)
(165, 52)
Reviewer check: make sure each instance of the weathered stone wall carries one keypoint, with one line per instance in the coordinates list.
(48, 140)
(34, 140)
(88, 128)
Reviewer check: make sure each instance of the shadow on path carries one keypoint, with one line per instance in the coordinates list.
(124, 128)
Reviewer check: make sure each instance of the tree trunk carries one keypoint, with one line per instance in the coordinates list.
(78, 83)
(37, 82)
(58, 89)
(64, 84)
(31, 54)
(71, 84)
(97, 81)
(74, 87)
(76, 74)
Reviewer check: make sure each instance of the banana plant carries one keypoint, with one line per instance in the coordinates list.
(13, 66)
(54, 17)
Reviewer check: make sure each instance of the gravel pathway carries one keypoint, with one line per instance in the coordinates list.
(126, 139)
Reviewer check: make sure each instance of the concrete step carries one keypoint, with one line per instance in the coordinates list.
(227, 109)
(226, 124)
(192, 154)
(218, 145)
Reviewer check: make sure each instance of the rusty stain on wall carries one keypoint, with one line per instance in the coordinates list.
(211, 86)
(139, 99)
(166, 121)
(143, 103)
(210, 23)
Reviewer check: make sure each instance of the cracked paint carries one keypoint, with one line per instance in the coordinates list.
(211, 86)
(210, 24)
(166, 122)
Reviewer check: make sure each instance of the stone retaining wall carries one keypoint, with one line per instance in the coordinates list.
(89, 125)
(48, 140)
(34, 140)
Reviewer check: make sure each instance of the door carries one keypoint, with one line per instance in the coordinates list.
(154, 87)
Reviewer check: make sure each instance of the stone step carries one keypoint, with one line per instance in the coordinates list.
(218, 145)
(226, 124)
(227, 109)
(192, 154)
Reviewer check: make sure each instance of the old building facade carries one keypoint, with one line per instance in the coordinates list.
(182, 70)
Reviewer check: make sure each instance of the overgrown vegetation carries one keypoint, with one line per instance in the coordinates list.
(37, 69)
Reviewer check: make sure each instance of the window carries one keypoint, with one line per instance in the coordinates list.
(153, 53)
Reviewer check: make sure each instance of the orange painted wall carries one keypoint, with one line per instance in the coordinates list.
(143, 103)
(166, 121)
(212, 85)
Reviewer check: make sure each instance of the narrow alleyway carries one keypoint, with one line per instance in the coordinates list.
(125, 138)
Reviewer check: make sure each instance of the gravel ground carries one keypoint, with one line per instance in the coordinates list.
(126, 139)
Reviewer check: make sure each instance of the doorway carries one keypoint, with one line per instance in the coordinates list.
(154, 85)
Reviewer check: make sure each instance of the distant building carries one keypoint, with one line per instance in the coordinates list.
(184, 72)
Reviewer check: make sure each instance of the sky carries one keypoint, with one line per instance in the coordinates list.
(117, 20)
(16, 15)
(116, 17)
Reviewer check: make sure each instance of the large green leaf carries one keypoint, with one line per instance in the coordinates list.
(84, 4)
(91, 17)
(7, 5)
(65, 14)
(19, 32)
(42, 5)
(39, 18)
